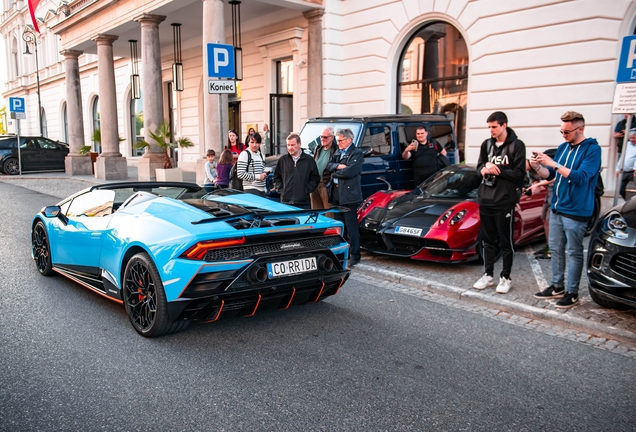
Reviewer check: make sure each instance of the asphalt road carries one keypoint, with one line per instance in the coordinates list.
(367, 359)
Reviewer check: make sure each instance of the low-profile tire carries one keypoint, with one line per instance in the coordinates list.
(41, 249)
(145, 299)
(11, 166)
(607, 303)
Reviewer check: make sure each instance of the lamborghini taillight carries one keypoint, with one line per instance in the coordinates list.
(333, 231)
(199, 250)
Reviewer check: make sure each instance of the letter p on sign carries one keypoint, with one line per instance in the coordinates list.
(220, 61)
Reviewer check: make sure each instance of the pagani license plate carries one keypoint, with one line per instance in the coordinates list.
(408, 231)
(291, 267)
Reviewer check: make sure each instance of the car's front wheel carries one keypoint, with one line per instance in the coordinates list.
(41, 249)
(11, 166)
(145, 299)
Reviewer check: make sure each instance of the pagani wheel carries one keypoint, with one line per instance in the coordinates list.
(11, 166)
(41, 249)
(145, 299)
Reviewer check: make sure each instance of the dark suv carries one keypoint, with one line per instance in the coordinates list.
(36, 153)
(383, 138)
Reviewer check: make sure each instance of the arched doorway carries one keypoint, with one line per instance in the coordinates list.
(433, 75)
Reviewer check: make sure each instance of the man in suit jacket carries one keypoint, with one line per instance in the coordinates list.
(345, 188)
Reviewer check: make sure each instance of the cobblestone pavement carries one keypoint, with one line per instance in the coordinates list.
(450, 284)
(495, 311)
(455, 283)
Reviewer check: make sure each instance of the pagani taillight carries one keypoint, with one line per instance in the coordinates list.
(333, 231)
(199, 250)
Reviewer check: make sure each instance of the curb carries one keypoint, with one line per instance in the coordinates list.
(503, 303)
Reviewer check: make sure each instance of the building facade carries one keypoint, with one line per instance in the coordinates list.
(533, 59)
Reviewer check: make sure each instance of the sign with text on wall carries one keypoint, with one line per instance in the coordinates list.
(221, 86)
(625, 91)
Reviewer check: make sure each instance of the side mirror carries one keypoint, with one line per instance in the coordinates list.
(54, 211)
(384, 180)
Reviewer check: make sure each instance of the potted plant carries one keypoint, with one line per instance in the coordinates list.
(162, 138)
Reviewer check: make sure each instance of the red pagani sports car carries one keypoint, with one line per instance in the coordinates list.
(439, 220)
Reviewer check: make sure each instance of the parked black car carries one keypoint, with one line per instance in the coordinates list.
(611, 259)
(383, 138)
(36, 153)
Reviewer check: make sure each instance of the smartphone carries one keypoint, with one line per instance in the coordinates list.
(534, 155)
(415, 143)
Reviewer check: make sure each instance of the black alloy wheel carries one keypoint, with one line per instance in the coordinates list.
(145, 299)
(41, 249)
(11, 166)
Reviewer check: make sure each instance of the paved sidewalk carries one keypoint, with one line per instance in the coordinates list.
(444, 280)
(586, 315)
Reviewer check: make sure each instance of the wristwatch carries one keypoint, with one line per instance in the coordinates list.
(557, 166)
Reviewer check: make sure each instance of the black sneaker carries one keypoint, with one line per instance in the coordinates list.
(542, 251)
(550, 292)
(568, 300)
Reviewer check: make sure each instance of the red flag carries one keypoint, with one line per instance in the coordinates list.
(33, 4)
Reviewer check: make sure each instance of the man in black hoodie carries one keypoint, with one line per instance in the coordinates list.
(502, 165)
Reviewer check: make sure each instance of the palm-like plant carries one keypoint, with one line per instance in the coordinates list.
(162, 137)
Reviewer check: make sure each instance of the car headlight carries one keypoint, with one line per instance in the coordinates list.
(365, 205)
(445, 216)
(455, 219)
(458, 217)
(614, 225)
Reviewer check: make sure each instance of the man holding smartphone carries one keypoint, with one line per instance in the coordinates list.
(423, 152)
(502, 165)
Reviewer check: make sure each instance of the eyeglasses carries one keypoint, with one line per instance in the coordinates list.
(341, 140)
(568, 132)
(325, 137)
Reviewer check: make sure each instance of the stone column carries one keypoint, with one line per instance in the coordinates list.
(151, 93)
(314, 62)
(110, 163)
(215, 107)
(74, 163)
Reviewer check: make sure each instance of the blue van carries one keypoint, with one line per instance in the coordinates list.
(383, 138)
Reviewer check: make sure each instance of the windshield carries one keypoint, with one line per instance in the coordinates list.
(310, 135)
(451, 183)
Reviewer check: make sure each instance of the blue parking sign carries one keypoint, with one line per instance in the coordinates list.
(220, 61)
(627, 61)
(16, 104)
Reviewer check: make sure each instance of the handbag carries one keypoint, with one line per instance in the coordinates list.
(235, 181)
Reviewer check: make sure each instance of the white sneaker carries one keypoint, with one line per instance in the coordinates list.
(483, 282)
(504, 285)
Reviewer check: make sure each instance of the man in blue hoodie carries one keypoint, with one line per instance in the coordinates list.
(575, 168)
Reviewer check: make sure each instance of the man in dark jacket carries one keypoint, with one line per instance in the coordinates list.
(322, 155)
(502, 165)
(295, 175)
(345, 188)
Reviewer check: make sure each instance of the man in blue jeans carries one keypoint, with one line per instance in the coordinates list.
(575, 169)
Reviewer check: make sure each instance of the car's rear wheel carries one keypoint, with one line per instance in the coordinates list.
(607, 303)
(145, 299)
(11, 166)
(41, 250)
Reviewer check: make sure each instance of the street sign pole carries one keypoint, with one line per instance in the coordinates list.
(18, 144)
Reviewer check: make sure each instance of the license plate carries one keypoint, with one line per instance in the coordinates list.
(291, 267)
(408, 231)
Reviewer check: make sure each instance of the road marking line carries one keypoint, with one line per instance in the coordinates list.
(536, 269)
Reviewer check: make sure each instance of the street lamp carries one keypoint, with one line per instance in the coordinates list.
(29, 37)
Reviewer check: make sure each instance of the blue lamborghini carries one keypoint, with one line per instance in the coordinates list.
(172, 253)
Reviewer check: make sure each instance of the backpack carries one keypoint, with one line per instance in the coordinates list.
(235, 182)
